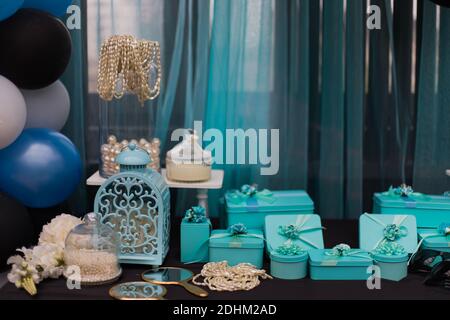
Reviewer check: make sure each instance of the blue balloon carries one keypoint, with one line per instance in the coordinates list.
(40, 169)
(57, 8)
(9, 7)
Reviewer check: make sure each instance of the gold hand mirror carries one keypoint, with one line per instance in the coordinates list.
(173, 276)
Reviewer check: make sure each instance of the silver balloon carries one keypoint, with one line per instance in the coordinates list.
(13, 112)
(48, 107)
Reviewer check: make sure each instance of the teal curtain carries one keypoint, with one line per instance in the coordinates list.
(432, 149)
(357, 110)
(75, 80)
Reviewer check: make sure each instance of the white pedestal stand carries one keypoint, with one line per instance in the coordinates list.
(215, 182)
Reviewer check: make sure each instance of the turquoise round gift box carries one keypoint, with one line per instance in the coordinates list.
(288, 267)
(393, 268)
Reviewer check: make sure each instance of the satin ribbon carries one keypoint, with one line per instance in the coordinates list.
(236, 232)
(405, 193)
(391, 233)
(340, 251)
(250, 196)
(295, 231)
(289, 247)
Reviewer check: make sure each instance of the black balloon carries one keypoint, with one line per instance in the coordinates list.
(16, 228)
(35, 49)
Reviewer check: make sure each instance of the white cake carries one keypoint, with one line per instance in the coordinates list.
(188, 162)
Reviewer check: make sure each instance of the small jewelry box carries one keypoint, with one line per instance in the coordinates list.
(237, 247)
(339, 263)
(390, 239)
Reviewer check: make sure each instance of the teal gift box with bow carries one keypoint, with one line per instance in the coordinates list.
(339, 263)
(194, 236)
(429, 210)
(436, 238)
(390, 239)
(237, 244)
(288, 239)
(250, 206)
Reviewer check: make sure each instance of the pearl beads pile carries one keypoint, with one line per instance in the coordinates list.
(111, 149)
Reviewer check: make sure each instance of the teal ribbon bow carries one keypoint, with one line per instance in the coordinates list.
(342, 250)
(196, 214)
(293, 232)
(250, 192)
(296, 231)
(237, 229)
(289, 249)
(237, 232)
(391, 233)
(404, 191)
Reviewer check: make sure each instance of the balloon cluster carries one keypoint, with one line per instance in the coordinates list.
(39, 166)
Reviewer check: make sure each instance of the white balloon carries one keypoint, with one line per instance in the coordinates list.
(48, 107)
(13, 112)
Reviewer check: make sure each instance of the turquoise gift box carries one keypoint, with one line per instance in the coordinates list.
(429, 210)
(289, 237)
(339, 263)
(251, 207)
(390, 239)
(237, 248)
(436, 239)
(194, 239)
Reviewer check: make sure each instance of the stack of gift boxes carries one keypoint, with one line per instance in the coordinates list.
(282, 224)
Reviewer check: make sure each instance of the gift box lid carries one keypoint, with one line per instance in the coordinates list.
(372, 228)
(309, 226)
(289, 259)
(433, 239)
(287, 200)
(425, 202)
(391, 258)
(253, 239)
(323, 258)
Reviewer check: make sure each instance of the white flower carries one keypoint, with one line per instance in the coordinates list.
(57, 230)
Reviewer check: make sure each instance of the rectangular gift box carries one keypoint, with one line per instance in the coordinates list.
(194, 239)
(372, 232)
(430, 210)
(310, 236)
(432, 239)
(327, 267)
(252, 210)
(247, 248)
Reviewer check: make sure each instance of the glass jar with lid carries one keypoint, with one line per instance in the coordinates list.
(91, 251)
(129, 77)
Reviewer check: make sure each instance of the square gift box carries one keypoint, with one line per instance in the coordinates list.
(429, 210)
(246, 247)
(194, 239)
(288, 238)
(436, 238)
(339, 263)
(250, 206)
(390, 239)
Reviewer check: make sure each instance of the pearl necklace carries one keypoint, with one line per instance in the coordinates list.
(219, 276)
(129, 65)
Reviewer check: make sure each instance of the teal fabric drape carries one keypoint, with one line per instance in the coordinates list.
(75, 80)
(239, 82)
(432, 150)
(357, 110)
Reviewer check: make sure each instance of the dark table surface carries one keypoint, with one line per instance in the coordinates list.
(337, 232)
